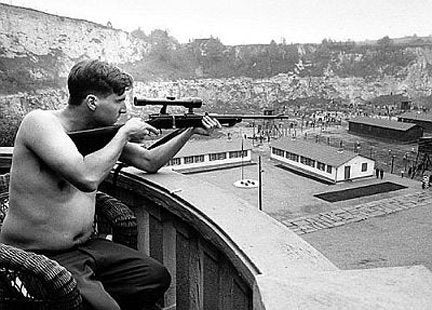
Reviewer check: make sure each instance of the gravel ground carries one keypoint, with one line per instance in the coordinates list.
(399, 239)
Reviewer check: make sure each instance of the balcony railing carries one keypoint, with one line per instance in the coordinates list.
(225, 254)
(214, 244)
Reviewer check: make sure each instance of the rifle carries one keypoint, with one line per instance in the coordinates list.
(91, 140)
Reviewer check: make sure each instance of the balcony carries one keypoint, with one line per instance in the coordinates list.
(225, 254)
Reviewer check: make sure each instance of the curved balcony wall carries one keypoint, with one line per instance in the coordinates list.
(225, 254)
(214, 244)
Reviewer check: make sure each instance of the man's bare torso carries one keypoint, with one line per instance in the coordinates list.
(46, 211)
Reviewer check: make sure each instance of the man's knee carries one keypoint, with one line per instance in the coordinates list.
(156, 282)
(162, 278)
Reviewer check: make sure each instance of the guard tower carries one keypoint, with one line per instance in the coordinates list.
(270, 126)
(423, 160)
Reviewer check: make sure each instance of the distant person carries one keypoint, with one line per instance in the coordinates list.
(381, 173)
(53, 189)
(377, 172)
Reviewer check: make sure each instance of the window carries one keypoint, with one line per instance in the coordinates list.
(173, 162)
(237, 154)
(307, 161)
(320, 166)
(194, 159)
(329, 169)
(364, 167)
(189, 160)
(217, 156)
(199, 158)
(278, 152)
(292, 156)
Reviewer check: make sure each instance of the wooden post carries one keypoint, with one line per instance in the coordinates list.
(169, 260)
(143, 230)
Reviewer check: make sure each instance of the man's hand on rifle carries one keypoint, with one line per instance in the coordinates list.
(209, 125)
(136, 129)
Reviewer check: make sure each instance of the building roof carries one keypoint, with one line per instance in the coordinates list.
(425, 117)
(199, 147)
(383, 123)
(323, 153)
(385, 100)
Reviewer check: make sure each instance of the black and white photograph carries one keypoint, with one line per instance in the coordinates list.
(215, 155)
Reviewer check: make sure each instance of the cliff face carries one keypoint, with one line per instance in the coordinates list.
(38, 49)
(42, 46)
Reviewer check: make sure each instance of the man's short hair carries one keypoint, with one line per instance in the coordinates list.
(96, 77)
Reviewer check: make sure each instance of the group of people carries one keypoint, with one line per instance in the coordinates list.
(379, 172)
(53, 188)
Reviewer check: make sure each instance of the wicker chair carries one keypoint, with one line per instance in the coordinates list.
(31, 281)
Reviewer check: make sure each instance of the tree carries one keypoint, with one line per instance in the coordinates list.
(139, 34)
(162, 45)
(385, 42)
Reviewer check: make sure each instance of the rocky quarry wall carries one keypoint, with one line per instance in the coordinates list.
(45, 46)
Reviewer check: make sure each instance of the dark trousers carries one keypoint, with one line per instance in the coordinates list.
(113, 276)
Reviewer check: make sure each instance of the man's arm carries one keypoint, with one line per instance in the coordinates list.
(152, 160)
(42, 133)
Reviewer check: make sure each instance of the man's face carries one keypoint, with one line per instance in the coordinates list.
(109, 109)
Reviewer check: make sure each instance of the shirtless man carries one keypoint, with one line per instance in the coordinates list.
(53, 188)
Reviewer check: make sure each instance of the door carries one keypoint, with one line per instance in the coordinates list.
(347, 172)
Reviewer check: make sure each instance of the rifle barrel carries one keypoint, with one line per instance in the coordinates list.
(249, 116)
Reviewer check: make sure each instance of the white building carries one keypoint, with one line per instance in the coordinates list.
(211, 154)
(322, 161)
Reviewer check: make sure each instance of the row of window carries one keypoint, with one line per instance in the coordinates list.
(310, 162)
(212, 157)
(237, 154)
(304, 160)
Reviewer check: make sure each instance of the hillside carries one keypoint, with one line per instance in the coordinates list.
(37, 50)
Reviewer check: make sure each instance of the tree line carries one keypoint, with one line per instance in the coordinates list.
(210, 58)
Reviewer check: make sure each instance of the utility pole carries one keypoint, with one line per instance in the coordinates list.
(259, 184)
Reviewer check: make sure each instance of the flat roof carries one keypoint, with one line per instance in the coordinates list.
(323, 153)
(425, 117)
(383, 123)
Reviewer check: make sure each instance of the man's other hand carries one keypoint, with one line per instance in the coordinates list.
(209, 125)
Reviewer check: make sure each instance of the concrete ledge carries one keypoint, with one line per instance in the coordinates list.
(284, 271)
(250, 234)
(381, 288)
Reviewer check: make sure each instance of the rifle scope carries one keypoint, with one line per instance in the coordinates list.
(186, 102)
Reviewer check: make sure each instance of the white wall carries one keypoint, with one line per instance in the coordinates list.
(356, 164)
(208, 163)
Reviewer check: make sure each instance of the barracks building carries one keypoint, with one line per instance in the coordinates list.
(321, 161)
(385, 129)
